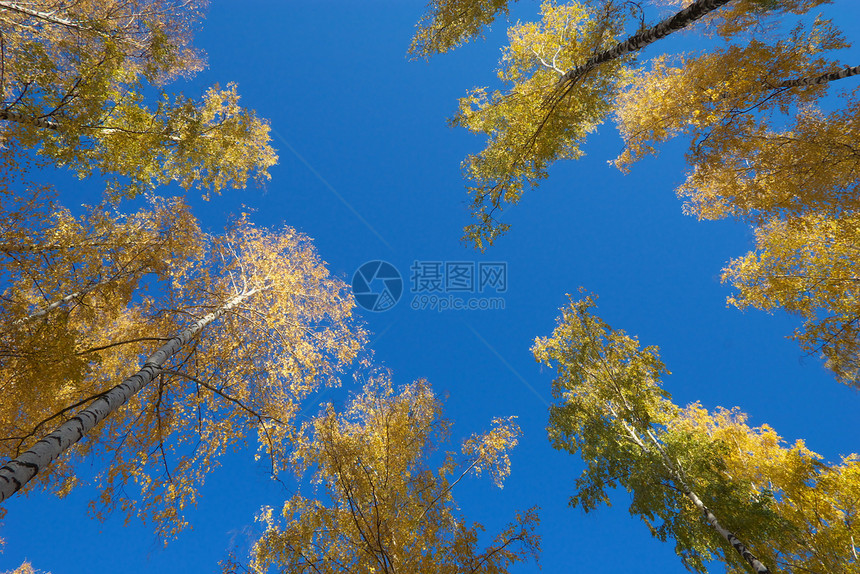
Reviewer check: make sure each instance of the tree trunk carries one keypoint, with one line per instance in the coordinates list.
(822, 79)
(76, 295)
(682, 19)
(16, 473)
(20, 118)
(726, 534)
(16, 117)
(44, 16)
(48, 308)
(677, 476)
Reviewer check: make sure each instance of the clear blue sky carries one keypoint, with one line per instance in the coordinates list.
(369, 170)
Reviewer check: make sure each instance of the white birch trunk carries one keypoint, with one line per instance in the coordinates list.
(677, 476)
(16, 117)
(48, 308)
(68, 298)
(45, 16)
(16, 473)
(822, 79)
(726, 534)
(12, 116)
(682, 19)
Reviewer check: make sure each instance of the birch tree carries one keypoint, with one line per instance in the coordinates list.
(73, 84)
(523, 137)
(808, 266)
(612, 411)
(563, 77)
(795, 180)
(814, 502)
(718, 488)
(552, 99)
(72, 284)
(762, 147)
(227, 346)
(381, 506)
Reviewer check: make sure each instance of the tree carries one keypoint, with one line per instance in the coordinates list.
(240, 334)
(809, 266)
(796, 183)
(761, 150)
(550, 106)
(450, 23)
(384, 509)
(73, 286)
(567, 74)
(720, 489)
(74, 88)
(523, 138)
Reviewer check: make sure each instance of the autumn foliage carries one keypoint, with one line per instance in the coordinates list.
(718, 488)
(83, 85)
(202, 343)
(381, 506)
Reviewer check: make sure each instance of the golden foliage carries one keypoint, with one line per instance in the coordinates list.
(385, 510)
(763, 174)
(760, 147)
(529, 125)
(808, 266)
(721, 98)
(793, 511)
(763, 152)
(138, 281)
(450, 23)
(25, 568)
(817, 504)
(73, 89)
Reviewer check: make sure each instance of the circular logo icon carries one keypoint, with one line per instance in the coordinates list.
(377, 286)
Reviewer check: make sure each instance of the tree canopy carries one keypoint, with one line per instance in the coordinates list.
(766, 145)
(382, 507)
(289, 333)
(144, 343)
(566, 74)
(83, 85)
(720, 489)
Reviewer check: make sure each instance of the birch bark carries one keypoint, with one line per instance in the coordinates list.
(727, 535)
(16, 473)
(677, 476)
(19, 118)
(634, 43)
(58, 303)
(44, 122)
(49, 17)
(846, 72)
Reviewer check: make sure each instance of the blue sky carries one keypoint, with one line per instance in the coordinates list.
(369, 170)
